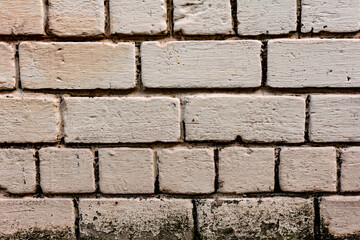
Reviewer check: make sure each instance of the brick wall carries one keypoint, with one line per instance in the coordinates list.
(179, 119)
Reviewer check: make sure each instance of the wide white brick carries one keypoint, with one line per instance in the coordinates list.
(335, 118)
(266, 16)
(330, 16)
(64, 170)
(126, 170)
(138, 16)
(256, 218)
(29, 218)
(350, 169)
(314, 63)
(340, 217)
(17, 170)
(7, 66)
(201, 64)
(76, 17)
(128, 119)
(204, 17)
(21, 17)
(244, 170)
(188, 171)
(74, 65)
(254, 118)
(308, 169)
(136, 219)
(29, 118)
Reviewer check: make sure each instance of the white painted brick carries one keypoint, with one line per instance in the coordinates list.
(350, 169)
(29, 118)
(335, 118)
(244, 170)
(256, 218)
(30, 218)
(340, 216)
(136, 219)
(330, 16)
(266, 16)
(17, 170)
(64, 170)
(203, 17)
(74, 65)
(21, 17)
(7, 66)
(201, 64)
(314, 63)
(254, 118)
(126, 170)
(76, 17)
(188, 171)
(128, 119)
(138, 16)
(308, 169)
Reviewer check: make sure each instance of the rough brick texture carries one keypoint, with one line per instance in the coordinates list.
(76, 17)
(256, 218)
(126, 171)
(187, 171)
(111, 120)
(136, 219)
(29, 118)
(7, 67)
(308, 169)
(138, 16)
(77, 65)
(291, 63)
(37, 218)
(259, 119)
(66, 170)
(17, 170)
(246, 170)
(22, 17)
(201, 64)
(350, 169)
(266, 16)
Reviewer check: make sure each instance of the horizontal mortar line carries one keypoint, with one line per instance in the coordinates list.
(141, 38)
(211, 196)
(156, 145)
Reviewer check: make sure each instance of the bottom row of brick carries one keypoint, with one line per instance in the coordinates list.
(160, 218)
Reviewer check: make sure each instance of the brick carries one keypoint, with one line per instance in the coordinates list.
(138, 17)
(29, 118)
(350, 169)
(7, 66)
(187, 171)
(76, 17)
(21, 17)
(259, 119)
(29, 218)
(244, 170)
(256, 218)
(308, 169)
(314, 63)
(340, 217)
(17, 170)
(136, 219)
(334, 118)
(126, 171)
(127, 119)
(61, 168)
(203, 17)
(74, 65)
(266, 17)
(201, 64)
(330, 16)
